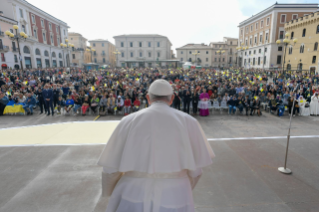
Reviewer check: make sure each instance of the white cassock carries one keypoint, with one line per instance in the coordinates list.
(314, 105)
(304, 111)
(161, 152)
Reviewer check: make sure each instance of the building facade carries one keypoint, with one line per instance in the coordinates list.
(303, 55)
(144, 51)
(104, 52)
(200, 54)
(227, 59)
(77, 55)
(260, 33)
(45, 33)
(8, 49)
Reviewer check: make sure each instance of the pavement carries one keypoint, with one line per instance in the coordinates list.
(243, 177)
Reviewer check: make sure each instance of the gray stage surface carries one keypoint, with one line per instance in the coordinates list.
(243, 177)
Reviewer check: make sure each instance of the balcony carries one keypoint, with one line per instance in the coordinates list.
(15, 49)
(4, 48)
(1, 33)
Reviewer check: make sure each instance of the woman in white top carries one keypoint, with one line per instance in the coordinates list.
(314, 105)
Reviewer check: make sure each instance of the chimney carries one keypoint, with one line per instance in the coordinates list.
(1, 13)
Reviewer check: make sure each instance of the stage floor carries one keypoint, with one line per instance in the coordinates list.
(52, 167)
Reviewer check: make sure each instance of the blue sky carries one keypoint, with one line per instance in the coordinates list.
(187, 21)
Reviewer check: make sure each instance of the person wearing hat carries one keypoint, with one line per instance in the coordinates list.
(155, 170)
(119, 103)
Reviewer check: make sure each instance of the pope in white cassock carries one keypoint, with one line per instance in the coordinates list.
(154, 158)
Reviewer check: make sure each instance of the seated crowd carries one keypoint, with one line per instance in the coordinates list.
(124, 91)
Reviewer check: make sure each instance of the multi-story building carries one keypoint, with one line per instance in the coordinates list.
(303, 53)
(260, 32)
(144, 51)
(88, 55)
(79, 42)
(8, 49)
(104, 52)
(200, 54)
(228, 58)
(45, 33)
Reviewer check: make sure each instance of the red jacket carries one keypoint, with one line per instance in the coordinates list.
(127, 102)
(137, 103)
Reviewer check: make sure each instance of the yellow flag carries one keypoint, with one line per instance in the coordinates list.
(137, 79)
(104, 84)
(92, 88)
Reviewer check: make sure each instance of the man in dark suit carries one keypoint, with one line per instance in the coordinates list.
(48, 98)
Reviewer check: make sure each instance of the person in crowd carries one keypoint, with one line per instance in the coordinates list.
(56, 94)
(94, 103)
(103, 104)
(293, 104)
(232, 104)
(29, 104)
(48, 99)
(177, 100)
(60, 104)
(187, 101)
(272, 104)
(77, 104)
(136, 105)
(111, 103)
(127, 106)
(314, 105)
(4, 100)
(65, 90)
(40, 98)
(204, 98)
(69, 104)
(85, 105)
(256, 107)
(21, 98)
(119, 103)
(195, 100)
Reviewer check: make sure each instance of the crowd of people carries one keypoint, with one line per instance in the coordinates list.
(123, 90)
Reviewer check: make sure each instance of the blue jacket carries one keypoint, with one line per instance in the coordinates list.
(4, 100)
(31, 102)
(47, 94)
(65, 90)
(69, 102)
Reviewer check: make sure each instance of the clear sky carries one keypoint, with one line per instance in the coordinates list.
(188, 21)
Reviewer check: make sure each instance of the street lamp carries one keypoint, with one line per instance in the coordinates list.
(67, 46)
(22, 36)
(196, 53)
(116, 54)
(220, 52)
(286, 41)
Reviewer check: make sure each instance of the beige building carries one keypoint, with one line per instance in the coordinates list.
(78, 53)
(229, 57)
(302, 55)
(104, 52)
(259, 33)
(88, 55)
(200, 54)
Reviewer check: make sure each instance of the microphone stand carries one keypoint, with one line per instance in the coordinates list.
(284, 169)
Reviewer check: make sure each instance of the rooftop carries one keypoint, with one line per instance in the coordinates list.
(141, 35)
(194, 46)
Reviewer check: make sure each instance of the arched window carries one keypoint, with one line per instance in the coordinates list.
(60, 55)
(290, 50)
(316, 46)
(53, 54)
(23, 28)
(303, 32)
(37, 52)
(288, 67)
(292, 35)
(46, 53)
(26, 50)
(302, 48)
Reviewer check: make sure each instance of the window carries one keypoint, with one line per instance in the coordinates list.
(64, 31)
(267, 23)
(304, 33)
(11, 30)
(50, 27)
(21, 13)
(149, 54)
(264, 59)
(292, 35)
(315, 48)
(102, 44)
(26, 50)
(250, 41)
(182, 59)
(231, 42)
(206, 52)
(314, 59)
(290, 50)
(294, 17)
(260, 38)
(15, 58)
(241, 32)
(140, 44)
(132, 55)
(251, 28)
(73, 56)
(35, 34)
(281, 35)
(122, 54)
(149, 44)
(279, 48)
(53, 54)
(258, 60)
(283, 19)
(223, 59)
(302, 48)
(141, 54)
(249, 52)
(259, 51)
(33, 19)
(190, 52)
(122, 44)
(266, 36)
(254, 51)
(246, 42)
(103, 60)
(52, 39)
(60, 55)
(37, 52)
(246, 30)
(317, 29)
(215, 59)
(57, 29)
(23, 28)
(131, 44)
(265, 50)
(93, 44)
(46, 53)
(42, 23)
(230, 60)
(256, 25)
(278, 59)
(255, 40)
(190, 59)
(181, 52)
(206, 59)
(245, 53)
(58, 39)
(158, 44)
(95, 60)
(261, 24)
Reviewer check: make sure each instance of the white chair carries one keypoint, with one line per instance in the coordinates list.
(216, 105)
(223, 105)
